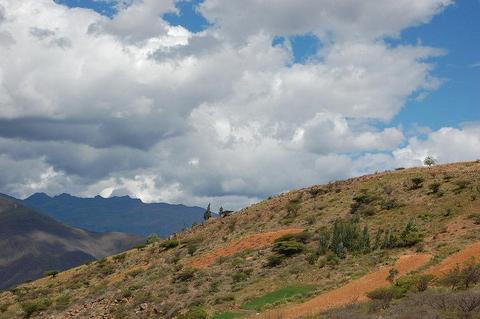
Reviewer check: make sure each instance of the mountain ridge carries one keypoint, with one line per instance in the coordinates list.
(118, 213)
(32, 243)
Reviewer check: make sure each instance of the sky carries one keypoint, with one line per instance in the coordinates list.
(230, 102)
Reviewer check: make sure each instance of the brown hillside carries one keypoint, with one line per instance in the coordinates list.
(235, 266)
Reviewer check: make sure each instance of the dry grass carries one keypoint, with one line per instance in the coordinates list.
(442, 217)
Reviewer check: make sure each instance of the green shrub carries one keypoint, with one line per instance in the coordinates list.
(331, 259)
(169, 244)
(417, 182)
(62, 302)
(392, 273)
(475, 218)
(120, 258)
(274, 260)
(386, 295)
(302, 237)
(51, 273)
(36, 305)
(134, 273)
(192, 247)
(185, 275)
(140, 246)
(461, 185)
(195, 313)
(312, 258)
(415, 282)
(389, 204)
(293, 207)
(224, 299)
(288, 247)
(153, 238)
(434, 187)
(242, 275)
(227, 315)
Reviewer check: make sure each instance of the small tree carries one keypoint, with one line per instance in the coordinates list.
(153, 238)
(452, 279)
(470, 274)
(392, 273)
(208, 213)
(429, 161)
(51, 273)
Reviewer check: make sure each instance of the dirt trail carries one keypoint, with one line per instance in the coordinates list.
(354, 291)
(459, 258)
(251, 242)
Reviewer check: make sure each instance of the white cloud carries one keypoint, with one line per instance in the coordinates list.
(447, 144)
(132, 105)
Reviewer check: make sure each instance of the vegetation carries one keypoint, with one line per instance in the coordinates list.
(350, 228)
(51, 273)
(279, 296)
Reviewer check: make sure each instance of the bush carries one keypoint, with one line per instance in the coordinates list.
(417, 182)
(452, 278)
(169, 244)
(185, 275)
(312, 258)
(475, 218)
(392, 273)
(241, 275)
(464, 277)
(195, 313)
(288, 247)
(434, 187)
(293, 207)
(410, 236)
(302, 237)
(386, 295)
(389, 204)
(416, 283)
(51, 273)
(331, 259)
(32, 306)
(153, 238)
(192, 248)
(461, 185)
(274, 260)
(120, 257)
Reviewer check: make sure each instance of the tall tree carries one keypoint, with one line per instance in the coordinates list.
(208, 213)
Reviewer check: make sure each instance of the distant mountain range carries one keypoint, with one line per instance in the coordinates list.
(32, 243)
(122, 214)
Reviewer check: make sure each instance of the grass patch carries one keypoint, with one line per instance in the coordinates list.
(279, 296)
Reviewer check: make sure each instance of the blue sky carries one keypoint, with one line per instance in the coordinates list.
(456, 30)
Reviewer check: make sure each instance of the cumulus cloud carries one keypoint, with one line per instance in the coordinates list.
(133, 105)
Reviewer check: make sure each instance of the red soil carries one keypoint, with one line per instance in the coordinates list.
(251, 242)
(471, 251)
(354, 291)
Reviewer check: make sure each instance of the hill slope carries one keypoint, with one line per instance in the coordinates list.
(31, 243)
(258, 260)
(123, 214)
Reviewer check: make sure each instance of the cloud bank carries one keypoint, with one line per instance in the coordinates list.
(134, 105)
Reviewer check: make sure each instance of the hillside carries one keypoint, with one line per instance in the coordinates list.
(31, 243)
(295, 255)
(121, 214)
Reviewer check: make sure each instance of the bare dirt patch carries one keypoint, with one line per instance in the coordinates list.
(471, 251)
(251, 242)
(355, 291)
